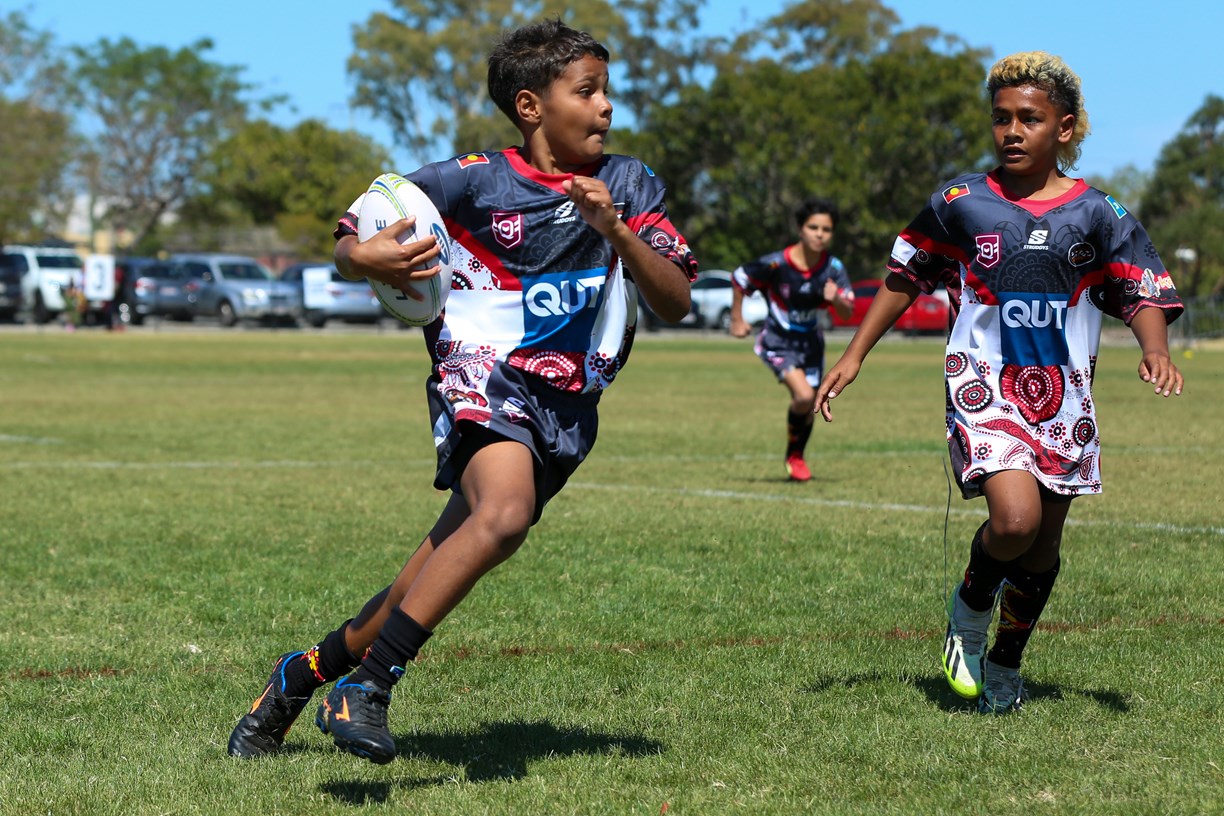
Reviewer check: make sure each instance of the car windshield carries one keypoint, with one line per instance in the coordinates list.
(60, 261)
(244, 271)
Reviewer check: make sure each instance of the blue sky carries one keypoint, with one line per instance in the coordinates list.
(1146, 67)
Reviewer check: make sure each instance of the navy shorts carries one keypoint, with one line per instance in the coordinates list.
(785, 351)
(558, 427)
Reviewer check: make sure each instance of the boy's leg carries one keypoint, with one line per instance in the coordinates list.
(1014, 503)
(799, 421)
(296, 675)
(1030, 579)
(499, 490)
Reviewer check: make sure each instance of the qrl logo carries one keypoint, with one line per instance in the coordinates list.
(508, 228)
(1035, 314)
(989, 249)
(569, 297)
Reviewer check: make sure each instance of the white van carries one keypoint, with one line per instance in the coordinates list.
(45, 272)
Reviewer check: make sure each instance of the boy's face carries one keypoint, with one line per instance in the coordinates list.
(817, 233)
(575, 114)
(1028, 130)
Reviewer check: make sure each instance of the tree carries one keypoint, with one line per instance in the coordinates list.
(158, 115)
(37, 145)
(299, 180)
(1184, 204)
(422, 68)
(876, 123)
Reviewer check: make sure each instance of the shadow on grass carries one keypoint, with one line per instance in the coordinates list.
(497, 751)
(937, 691)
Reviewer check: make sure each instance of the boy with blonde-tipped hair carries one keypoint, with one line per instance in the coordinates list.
(1033, 259)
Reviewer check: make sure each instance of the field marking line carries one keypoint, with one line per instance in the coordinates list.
(708, 493)
(876, 506)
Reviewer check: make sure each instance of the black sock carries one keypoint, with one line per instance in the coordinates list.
(983, 575)
(798, 431)
(397, 645)
(329, 660)
(1024, 597)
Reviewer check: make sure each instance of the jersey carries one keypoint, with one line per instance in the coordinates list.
(795, 294)
(1030, 282)
(533, 285)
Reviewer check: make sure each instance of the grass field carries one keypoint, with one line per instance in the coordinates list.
(684, 632)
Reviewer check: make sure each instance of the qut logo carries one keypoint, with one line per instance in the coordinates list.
(560, 308)
(1034, 314)
(547, 299)
(1034, 329)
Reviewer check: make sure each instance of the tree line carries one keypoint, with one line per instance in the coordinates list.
(829, 97)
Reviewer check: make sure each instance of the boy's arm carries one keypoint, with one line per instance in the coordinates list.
(1151, 329)
(664, 285)
(894, 297)
(737, 326)
(384, 258)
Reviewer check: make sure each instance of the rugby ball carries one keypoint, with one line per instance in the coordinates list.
(390, 198)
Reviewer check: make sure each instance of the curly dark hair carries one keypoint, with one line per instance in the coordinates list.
(532, 57)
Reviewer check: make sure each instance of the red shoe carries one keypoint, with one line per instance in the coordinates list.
(797, 469)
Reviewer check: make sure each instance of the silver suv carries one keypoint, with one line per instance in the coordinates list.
(236, 287)
(45, 273)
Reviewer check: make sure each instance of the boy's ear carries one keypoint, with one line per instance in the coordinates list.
(527, 105)
(1066, 128)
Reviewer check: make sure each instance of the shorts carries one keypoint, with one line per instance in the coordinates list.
(785, 351)
(973, 489)
(559, 428)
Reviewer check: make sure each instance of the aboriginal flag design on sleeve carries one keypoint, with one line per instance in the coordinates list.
(1030, 282)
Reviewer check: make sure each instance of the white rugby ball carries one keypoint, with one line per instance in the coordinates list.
(390, 198)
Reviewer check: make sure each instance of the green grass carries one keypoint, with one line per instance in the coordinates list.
(683, 632)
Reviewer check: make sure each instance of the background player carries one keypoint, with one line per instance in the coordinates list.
(1037, 258)
(551, 240)
(798, 282)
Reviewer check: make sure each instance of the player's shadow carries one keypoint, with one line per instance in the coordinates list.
(937, 691)
(497, 751)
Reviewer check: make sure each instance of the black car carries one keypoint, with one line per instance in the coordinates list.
(10, 289)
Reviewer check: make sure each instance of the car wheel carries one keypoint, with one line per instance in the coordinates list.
(724, 320)
(226, 315)
(317, 320)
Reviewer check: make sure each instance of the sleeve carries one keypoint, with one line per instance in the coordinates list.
(648, 220)
(428, 178)
(838, 274)
(347, 225)
(1134, 277)
(926, 253)
(754, 276)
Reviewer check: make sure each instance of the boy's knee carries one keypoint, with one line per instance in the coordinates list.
(505, 524)
(1015, 530)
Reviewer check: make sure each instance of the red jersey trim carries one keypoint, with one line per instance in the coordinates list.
(552, 181)
(1036, 208)
(807, 272)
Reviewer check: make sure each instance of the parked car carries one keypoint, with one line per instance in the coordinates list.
(235, 287)
(324, 294)
(929, 313)
(45, 273)
(712, 292)
(150, 287)
(10, 288)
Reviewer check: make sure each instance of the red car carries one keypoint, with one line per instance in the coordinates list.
(929, 313)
